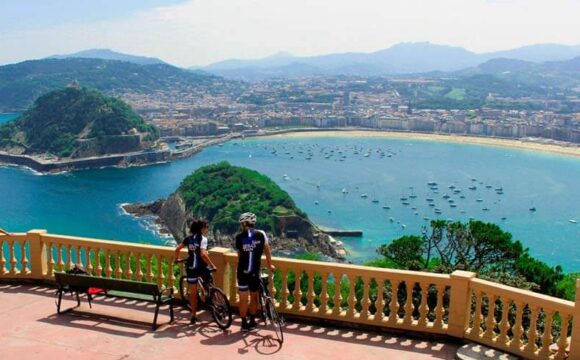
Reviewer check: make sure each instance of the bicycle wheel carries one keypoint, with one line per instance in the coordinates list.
(220, 308)
(184, 291)
(275, 319)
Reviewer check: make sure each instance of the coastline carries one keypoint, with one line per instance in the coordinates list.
(462, 139)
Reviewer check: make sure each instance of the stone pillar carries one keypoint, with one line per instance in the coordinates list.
(575, 338)
(217, 256)
(459, 303)
(38, 265)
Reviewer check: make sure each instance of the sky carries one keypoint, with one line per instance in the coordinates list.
(200, 32)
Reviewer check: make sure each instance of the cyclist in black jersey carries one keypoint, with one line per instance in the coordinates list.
(250, 244)
(198, 262)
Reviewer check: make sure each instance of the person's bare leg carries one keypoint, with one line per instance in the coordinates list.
(243, 304)
(193, 299)
(253, 303)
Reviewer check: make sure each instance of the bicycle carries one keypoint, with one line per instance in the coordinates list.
(208, 296)
(270, 315)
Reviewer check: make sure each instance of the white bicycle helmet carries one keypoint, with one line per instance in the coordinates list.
(249, 218)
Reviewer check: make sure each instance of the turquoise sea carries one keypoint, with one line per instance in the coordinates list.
(86, 203)
(8, 117)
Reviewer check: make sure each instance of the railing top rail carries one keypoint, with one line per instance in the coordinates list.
(524, 296)
(338, 269)
(13, 236)
(108, 244)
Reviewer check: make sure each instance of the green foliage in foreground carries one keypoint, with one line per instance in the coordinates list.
(475, 246)
(222, 192)
(56, 120)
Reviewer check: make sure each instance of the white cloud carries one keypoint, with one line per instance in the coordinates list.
(205, 31)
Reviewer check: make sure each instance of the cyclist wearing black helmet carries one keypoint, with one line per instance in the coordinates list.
(198, 260)
(250, 244)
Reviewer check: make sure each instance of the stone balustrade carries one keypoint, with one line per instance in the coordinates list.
(528, 324)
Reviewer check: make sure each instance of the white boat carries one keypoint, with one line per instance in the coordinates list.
(344, 191)
(573, 221)
(364, 196)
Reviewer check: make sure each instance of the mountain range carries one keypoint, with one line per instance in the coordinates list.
(403, 58)
(108, 54)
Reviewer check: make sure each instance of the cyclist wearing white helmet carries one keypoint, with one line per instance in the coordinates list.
(250, 244)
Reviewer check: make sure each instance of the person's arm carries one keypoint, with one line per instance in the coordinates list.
(203, 252)
(268, 252)
(205, 257)
(178, 250)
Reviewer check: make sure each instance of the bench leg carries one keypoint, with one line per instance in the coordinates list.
(59, 301)
(171, 310)
(155, 318)
(90, 299)
(78, 299)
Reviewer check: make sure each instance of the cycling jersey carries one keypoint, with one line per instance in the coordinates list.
(195, 244)
(250, 245)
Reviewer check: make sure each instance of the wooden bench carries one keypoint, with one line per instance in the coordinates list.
(78, 283)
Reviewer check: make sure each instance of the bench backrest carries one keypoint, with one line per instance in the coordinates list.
(79, 280)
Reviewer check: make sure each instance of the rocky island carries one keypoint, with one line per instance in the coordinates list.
(77, 127)
(221, 192)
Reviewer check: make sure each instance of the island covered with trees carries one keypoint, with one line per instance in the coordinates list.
(221, 192)
(76, 122)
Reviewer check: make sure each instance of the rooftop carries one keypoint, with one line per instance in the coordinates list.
(33, 330)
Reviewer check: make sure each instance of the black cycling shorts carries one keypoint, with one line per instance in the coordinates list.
(249, 281)
(193, 275)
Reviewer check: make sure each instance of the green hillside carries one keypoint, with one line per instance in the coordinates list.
(59, 121)
(22, 83)
(221, 192)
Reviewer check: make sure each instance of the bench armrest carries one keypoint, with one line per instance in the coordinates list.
(167, 290)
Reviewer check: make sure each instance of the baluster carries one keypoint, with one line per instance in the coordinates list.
(150, 268)
(490, 321)
(477, 315)
(271, 287)
(108, 268)
(379, 302)
(284, 289)
(171, 282)
(118, 269)
(297, 291)
(439, 309)
(50, 260)
(563, 341)
(128, 273)
(366, 301)
(423, 307)
(160, 275)
(530, 347)
(138, 270)
(233, 292)
(77, 252)
(89, 267)
(2, 260)
(98, 267)
(351, 300)
(323, 309)
(547, 335)
(394, 305)
(12, 258)
(409, 303)
(59, 248)
(518, 328)
(504, 325)
(337, 308)
(69, 257)
(24, 269)
(310, 294)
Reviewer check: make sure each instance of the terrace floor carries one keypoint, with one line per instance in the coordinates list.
(31, 329)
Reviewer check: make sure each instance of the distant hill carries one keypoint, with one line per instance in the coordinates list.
(77, 122)
(557, 74)
(404, 58)
(107, 54)
(22, 83)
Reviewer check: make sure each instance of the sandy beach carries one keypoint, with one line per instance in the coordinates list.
(516, 144)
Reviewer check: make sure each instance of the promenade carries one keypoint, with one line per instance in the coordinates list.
(31, 329)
